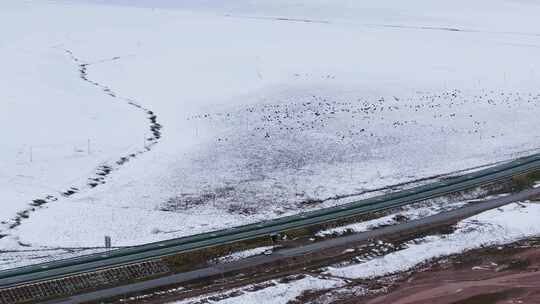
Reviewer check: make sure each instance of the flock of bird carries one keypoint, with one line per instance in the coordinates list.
(264, 147)
(362, 117)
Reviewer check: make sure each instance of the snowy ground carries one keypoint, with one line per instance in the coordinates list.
(272, 292)
(264, 105)
(245, 254)
(495, 227)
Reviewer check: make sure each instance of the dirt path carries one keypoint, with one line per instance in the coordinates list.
(487, 276)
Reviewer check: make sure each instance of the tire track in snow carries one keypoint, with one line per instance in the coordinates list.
(105, 168)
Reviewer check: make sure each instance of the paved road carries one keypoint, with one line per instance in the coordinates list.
(62, 268)
(428, 222)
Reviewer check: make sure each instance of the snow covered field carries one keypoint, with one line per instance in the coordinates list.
(267, 107)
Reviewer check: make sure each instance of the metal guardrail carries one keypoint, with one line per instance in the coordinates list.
(61, 268)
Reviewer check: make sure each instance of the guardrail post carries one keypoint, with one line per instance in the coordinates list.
(107, 241)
